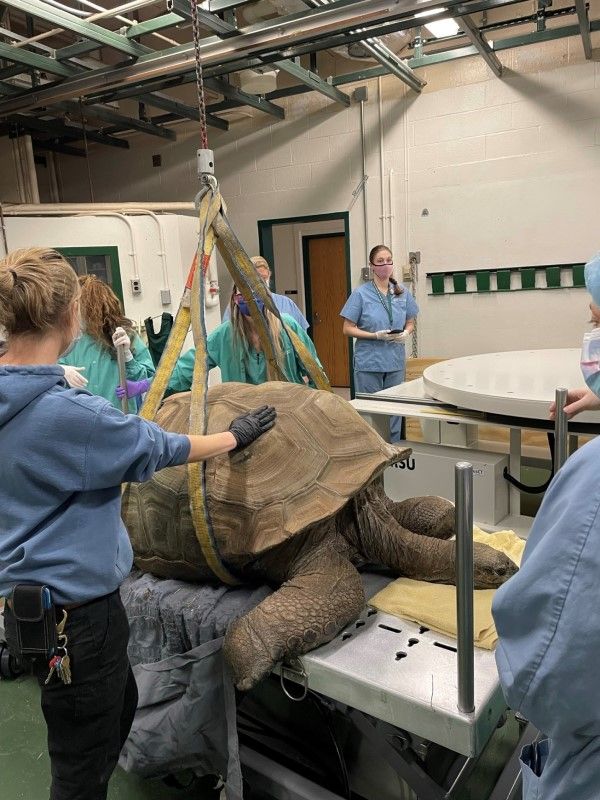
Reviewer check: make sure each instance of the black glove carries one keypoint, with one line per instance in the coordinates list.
(250, 426)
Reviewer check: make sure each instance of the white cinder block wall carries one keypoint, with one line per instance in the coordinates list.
(508, 171)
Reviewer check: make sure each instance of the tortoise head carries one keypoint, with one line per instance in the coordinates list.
(492, 568)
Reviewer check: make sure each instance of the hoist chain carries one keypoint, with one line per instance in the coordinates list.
(199, 79)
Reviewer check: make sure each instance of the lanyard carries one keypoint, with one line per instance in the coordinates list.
(388, 305)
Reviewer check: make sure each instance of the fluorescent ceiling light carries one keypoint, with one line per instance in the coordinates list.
(442, 27)
(431, 12)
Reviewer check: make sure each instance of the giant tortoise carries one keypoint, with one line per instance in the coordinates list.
(298, 509)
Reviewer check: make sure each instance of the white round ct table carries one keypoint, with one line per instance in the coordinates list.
(519, 383)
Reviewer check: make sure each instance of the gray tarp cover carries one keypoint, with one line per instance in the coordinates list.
(186, 710)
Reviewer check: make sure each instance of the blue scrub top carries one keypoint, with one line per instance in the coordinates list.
(549, 637)
(285, 306)
(365, 309)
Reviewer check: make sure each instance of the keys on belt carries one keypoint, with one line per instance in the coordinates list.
(60, 663)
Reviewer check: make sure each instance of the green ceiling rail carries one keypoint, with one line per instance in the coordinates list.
(43, 63)
(62, 19)
(506, 279)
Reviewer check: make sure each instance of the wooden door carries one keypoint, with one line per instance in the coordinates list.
(327, 290)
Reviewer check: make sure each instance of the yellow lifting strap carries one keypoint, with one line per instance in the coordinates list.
(214, 228)
(250, 284)
(199, 415)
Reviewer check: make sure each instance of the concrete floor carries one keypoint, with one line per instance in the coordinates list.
(24, 762)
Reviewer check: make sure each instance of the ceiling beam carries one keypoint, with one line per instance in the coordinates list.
(395, 65)
(133, 32)
(464, 52)
(314, 81)
(126, 123)
(584, 26)
(234, 94)
(384, 56)
(36, 61)
(181, 109)
(122, 122)
(215, 6)
(291, 32)
(473, 33)
(225, 29)
(57, 147)
(152, 25)
(69, 22)
(54, 128)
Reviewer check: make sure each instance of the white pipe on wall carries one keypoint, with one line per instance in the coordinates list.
(381, 165)
(123, 218)
(162, 251)
(53, 177)
(364, 179)
(64, 209)
(391, 209)
(34, 191)
(18, 173)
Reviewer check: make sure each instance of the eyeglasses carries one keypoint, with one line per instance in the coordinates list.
(382, 263)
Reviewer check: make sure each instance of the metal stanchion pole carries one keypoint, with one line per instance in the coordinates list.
(122, 377)
(561, 431)
(463, 490)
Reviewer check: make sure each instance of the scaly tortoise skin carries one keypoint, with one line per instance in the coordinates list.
(297, 509)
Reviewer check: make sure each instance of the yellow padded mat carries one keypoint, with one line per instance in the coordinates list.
(434, 604)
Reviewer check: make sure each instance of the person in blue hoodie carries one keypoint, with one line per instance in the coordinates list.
(66, 453)
(547, 617)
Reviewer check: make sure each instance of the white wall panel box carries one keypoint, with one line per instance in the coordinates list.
(430, 470)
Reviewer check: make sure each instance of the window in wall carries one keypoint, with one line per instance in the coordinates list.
(103, 262)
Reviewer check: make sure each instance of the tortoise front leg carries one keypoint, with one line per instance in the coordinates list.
(429, 515)
(322, 593)
(379, 537)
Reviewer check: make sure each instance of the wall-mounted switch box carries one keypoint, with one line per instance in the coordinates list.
(136, 286)
(165, 297)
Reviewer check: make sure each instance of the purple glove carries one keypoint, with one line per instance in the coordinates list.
(134, 388)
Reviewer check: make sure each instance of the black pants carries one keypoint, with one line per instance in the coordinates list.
(89, 720)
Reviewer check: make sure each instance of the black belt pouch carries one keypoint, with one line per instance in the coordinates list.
(35, 621)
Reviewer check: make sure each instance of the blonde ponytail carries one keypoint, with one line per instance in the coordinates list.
(37, 288)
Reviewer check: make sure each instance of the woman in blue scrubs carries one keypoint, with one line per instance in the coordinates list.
(380, 315)
(547, 618)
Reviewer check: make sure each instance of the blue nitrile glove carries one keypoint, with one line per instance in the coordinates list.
(134, 388)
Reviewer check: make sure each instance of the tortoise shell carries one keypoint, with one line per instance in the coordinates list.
(319, 454)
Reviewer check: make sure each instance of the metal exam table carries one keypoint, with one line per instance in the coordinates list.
(388, 710)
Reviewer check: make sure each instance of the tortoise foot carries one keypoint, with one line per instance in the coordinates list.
(247, 654)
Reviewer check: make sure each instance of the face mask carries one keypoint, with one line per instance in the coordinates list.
(590, 360)
(383, 271)
(245, 310)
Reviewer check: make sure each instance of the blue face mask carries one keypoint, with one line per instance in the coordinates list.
(244, 309)
(590, 360)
